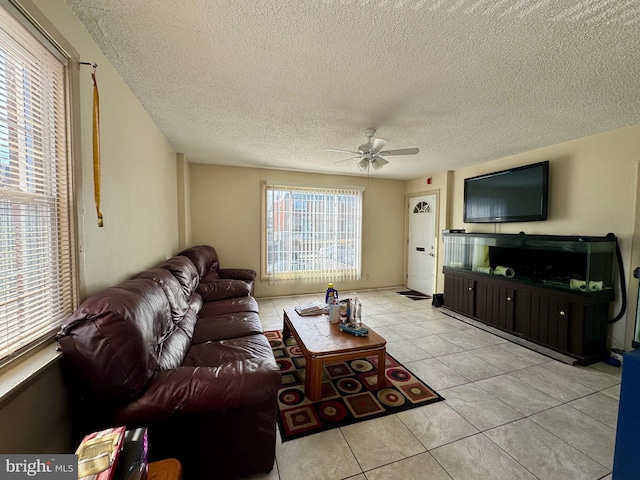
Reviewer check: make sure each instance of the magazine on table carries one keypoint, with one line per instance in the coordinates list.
(311, 308)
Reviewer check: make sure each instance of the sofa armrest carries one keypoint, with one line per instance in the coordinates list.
(237, 274)
(192, 390)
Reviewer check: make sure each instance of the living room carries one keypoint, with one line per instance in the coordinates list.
(156, 202)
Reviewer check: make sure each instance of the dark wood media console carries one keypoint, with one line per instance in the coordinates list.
(535, 306)
(572, 323)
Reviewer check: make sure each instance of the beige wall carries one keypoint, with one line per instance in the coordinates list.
(226, 208)
(184, 203)
(592, 191)
(38, 417)
(139, 183)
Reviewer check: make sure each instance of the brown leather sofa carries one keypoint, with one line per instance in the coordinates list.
(180, 349)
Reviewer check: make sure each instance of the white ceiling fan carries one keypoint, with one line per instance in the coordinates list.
(371, 153)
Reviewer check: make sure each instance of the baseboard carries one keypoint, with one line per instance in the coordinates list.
(512, 338)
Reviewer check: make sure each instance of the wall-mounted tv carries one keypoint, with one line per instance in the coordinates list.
(518, 194)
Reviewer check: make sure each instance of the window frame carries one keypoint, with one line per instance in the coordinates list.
(26, 13)
(320, 275)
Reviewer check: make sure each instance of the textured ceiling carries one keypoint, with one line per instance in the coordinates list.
(271, 84)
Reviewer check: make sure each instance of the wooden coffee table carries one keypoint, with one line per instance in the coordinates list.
(322, 342)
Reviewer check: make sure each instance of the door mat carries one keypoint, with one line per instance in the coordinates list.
(413, 295)
(350, 393)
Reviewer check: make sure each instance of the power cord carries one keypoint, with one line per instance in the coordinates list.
(623, 284)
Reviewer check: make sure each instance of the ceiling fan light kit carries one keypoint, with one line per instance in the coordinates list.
(371, 153)
(377, 164)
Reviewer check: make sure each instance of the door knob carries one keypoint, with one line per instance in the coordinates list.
(431, 255)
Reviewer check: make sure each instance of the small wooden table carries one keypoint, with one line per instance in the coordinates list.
(322, 342)
(169, 469)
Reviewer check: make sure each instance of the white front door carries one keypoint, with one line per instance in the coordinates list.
(421, 257)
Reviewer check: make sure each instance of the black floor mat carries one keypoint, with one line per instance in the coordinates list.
(413, 295)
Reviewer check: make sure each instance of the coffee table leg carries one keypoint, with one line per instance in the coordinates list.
(313, 379)
(286, 330)
(382, 357)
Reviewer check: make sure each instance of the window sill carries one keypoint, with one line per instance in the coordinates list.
(19, 373)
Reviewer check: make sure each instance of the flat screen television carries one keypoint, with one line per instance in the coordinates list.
(518, 194)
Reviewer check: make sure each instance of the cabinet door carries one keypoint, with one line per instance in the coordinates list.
(459, 294)
(543, 319)
(495, 304)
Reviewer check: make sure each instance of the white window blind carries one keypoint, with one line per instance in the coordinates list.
(312, 233)
(37, 290)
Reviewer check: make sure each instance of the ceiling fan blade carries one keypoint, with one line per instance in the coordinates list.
(341, 151)
(401, 151)
(378, 144)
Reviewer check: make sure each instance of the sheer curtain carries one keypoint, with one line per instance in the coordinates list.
(312, 234)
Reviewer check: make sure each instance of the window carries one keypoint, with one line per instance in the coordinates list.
(37, 289)
(312, 233)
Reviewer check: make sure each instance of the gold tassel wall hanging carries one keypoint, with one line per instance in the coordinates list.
(96, 142)
(96, 146)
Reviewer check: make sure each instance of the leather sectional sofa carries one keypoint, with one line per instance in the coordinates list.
(180, 349)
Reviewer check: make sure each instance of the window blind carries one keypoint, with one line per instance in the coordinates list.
(313, 233)
(37, 290)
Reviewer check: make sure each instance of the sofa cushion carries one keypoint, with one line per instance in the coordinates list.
(172, 289)
(173, 348)
(229, 305)
(244, 274)
(195, 302)
(205, 259)
(221, 289)
(231, 325)
(214, 375)
(197, 390)
(112, 339)
(188, 323)
(184, 271)
(211, 354)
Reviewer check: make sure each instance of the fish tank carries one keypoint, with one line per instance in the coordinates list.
(580, 263)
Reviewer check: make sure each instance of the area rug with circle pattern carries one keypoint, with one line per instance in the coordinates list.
(350, 392)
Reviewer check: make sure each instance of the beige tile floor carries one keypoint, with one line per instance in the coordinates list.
(510, 413)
